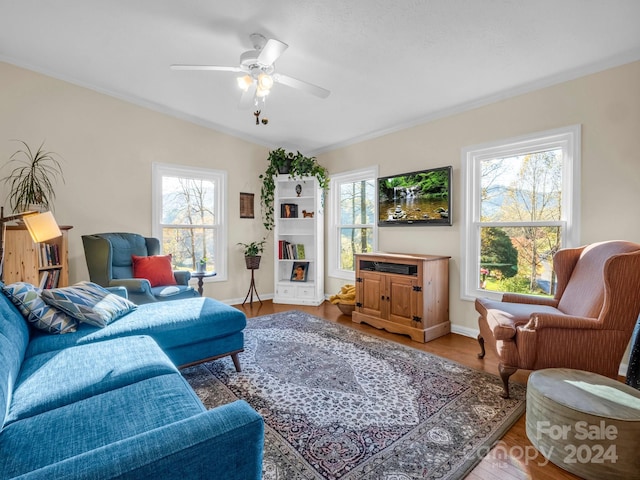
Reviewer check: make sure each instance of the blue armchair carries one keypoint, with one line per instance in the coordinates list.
(110, 264)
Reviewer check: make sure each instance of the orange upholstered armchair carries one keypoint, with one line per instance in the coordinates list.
(586, 326)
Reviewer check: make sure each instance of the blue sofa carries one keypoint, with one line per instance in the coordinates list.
(111, 403)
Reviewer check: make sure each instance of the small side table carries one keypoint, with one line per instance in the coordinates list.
(201, 276)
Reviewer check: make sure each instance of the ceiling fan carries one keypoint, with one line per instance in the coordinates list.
(258, 68)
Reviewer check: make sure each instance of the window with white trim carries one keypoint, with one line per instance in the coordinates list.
(352, 220)
(521, 201)
(189, 211)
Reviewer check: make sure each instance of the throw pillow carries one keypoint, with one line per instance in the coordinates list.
(155, 268)
(42, 316)
(89, 303)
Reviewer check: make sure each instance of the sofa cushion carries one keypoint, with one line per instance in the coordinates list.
(123, 245)
(54, 379)
(503, 317)
(89, 303)
(155, 268)
(38, 313)
(14, 337)
(182, 325)
(94, 422)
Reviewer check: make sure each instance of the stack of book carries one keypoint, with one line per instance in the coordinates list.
(290, 251)
(50, 278)
(49, 254)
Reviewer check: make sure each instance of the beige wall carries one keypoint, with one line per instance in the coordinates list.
(607, 105)
(108, 147)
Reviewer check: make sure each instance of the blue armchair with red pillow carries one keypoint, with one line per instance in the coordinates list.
(132, 261)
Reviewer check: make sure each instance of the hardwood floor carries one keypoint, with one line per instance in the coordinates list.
(513, 457)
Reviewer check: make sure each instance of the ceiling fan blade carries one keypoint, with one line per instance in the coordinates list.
(246, 100)
(216, 68)
(271, 51)
(301, 85)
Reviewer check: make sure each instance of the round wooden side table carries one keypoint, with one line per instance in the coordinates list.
(201, 276)
(585, 423)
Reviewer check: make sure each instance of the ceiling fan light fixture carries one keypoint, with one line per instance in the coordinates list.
(262, 92)
(265, 81)
(244, 82)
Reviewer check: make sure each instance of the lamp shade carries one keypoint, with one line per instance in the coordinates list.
(42, 226)
(265, 81)
(245, 82)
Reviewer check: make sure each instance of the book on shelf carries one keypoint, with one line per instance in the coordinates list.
(49, 278)
(49, 254)
(44, 277)
(290, 251)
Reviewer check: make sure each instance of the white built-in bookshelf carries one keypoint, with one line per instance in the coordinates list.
(298, 241)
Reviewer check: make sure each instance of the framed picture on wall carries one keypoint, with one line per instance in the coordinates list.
(299, 271)
(246, 205)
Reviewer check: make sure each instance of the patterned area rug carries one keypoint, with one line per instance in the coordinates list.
(340, 404)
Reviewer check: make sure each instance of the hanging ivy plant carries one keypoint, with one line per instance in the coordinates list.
(294, 164)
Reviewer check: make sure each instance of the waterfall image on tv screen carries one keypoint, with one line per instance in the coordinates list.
(416, 198)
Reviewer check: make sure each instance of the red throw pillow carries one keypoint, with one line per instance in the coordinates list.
(156, 268)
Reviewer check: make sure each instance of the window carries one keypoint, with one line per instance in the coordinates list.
(522, 200)
(352, 219)
(189, 209)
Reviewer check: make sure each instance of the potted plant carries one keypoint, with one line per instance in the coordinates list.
(294, 164)
(31, 181)
(202, 265)
(252, 253)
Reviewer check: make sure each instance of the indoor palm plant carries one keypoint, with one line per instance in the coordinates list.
(31, 180)
(252, 253)
(294, 164)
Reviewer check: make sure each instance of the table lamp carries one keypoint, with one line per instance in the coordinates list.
(41, 226)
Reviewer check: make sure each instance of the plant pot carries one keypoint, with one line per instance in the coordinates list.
(201, 267)
(253, 263)
(285, 167)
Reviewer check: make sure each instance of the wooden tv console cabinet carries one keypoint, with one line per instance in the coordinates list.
(403, 293)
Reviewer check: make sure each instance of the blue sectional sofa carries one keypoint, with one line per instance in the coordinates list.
(110, 402)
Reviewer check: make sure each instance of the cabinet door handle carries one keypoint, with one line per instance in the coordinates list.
(382, 297)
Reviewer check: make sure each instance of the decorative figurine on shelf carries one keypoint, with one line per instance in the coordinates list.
(298, 189)
(306, 214)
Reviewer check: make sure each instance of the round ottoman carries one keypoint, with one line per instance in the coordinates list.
(585, 423)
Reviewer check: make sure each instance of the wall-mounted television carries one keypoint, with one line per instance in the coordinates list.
(416, 198)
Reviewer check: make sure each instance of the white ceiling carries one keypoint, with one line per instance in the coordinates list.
(388, 64)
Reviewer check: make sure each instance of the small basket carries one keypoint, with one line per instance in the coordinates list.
(253, 262)
(346, 309)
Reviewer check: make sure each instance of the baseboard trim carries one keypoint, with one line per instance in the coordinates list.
(466, 331)
(238, 301)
